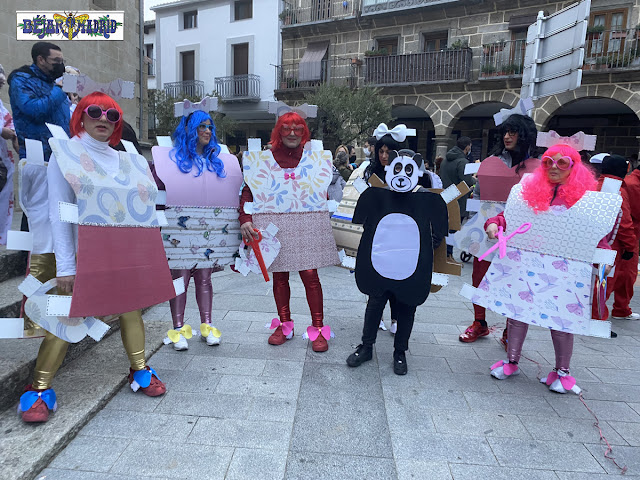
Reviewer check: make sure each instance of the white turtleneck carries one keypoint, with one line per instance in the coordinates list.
(65, 235)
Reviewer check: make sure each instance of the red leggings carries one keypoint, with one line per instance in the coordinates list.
(622, 284)
(282, 294)
(478, 273)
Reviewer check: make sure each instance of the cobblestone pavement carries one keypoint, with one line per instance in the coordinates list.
(248, 410)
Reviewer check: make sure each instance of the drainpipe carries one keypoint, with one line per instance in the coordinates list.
(141, 134)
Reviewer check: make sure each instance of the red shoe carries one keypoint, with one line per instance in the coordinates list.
(35, 404)
(278, 337)
(472, 333)
(320, 344)
(146, 381)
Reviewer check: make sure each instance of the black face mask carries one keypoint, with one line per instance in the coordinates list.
(57, 71)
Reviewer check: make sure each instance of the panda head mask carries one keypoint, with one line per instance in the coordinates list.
(403, 172)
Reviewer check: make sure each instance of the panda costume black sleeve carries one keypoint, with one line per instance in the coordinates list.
(401, 231)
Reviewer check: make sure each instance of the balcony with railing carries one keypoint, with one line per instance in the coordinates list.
(184, 88)
(425, 67)
(239, 88)
(337, 71)
(604, 50)
(312, 11)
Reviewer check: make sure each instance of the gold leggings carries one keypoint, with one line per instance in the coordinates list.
(43, 267)
(53, 350)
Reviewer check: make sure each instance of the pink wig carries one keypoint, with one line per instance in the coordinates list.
(538, 191)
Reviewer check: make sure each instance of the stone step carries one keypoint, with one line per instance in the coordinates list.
(10, 297)
(13, 263)
(83, 386)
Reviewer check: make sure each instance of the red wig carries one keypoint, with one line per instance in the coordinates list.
(538, 191)
(105, 102)
(290, 118)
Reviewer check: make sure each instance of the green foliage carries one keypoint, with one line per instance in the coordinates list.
(345, 114)
(459, 44)
(161, 105)
(376, 53)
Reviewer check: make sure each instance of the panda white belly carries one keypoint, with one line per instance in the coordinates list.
(396, 246)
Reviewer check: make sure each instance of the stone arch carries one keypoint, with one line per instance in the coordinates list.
(470, 100)
(414, 116)
(550, 106)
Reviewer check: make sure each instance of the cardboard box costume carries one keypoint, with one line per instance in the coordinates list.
(119, 243)
(203, 230)
(295, 201)
(545, 278)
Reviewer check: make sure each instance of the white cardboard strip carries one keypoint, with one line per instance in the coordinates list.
(473, 205)
(248, 208)
(161, 197)
(254, 144)
(604, 256)
(178, 286)
(450, 241)
(471, 168)
(68, 212)
(224, 148)
(272, 229)
(439, 279)
(611, 185)
(29, 286)
(359, 184)
(129, 146)
(349, 262)
(57, 131)
(19, 240)
(162, 218)
(600, 328)
(11, 327)
(242, 267)
(164, 141)
(332, 206)
(35, 154)
(58, 305)
(316, 146)
(450, 193)
(467, 290)
(97, 330)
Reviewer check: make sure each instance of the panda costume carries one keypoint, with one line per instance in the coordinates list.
(395, 256)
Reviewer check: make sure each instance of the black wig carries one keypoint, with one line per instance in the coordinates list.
(375, 166)
(527, 135)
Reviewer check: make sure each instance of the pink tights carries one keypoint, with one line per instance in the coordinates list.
(562, 343)
(204, 294)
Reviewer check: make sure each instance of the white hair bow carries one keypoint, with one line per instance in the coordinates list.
(186, 107)
(305, 110)
(399, 132)
(522, 108)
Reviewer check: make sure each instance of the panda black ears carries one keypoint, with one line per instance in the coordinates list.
(418, 159)
(392, 154)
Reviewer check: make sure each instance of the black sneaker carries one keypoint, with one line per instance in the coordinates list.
(399, 363)
(363, 353)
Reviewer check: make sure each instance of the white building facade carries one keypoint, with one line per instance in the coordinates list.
(229, 47)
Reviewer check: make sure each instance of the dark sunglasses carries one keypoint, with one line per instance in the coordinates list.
(205, 126)
(96, 112)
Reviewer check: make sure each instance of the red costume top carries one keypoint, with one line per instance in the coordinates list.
(625, 237)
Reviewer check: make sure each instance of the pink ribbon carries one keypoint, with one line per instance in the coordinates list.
(288, 176)
(567, 381)
(502, 240)
(507, 368)
(287, 327)
(314, 332)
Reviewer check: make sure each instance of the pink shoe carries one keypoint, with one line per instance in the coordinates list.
(560, 381)
(502, 370)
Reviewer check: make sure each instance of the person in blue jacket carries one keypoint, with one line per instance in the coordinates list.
(35, 97)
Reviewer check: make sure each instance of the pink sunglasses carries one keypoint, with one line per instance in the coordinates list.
(563, 163)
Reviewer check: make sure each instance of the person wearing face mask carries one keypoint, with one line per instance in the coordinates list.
(7, 165)
(352, 156)
(368, 149)
(35, 97)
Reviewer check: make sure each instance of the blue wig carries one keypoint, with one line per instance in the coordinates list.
(185, 139)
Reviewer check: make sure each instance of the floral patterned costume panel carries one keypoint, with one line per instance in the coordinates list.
(203, 230)
(545, 278)
(295, 201)
(119, 243)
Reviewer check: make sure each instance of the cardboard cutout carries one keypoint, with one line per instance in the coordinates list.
(396, 249)
(202, 213)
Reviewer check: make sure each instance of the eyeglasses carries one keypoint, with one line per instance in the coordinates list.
(286, 130)
(563, 163)
(96, 112)
(57, 61)
(205, 126)
(511, 133)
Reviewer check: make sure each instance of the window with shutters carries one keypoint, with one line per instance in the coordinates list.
(242, 9)
(190, 20)
(434, 42)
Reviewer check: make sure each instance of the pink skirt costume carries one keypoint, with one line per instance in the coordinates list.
(546, 276)
(203, 231)
(121, 266)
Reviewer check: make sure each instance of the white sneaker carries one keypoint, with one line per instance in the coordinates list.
(393, 328)
(211, 339)
(181, 344)
(633, 316)
(382, 326)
